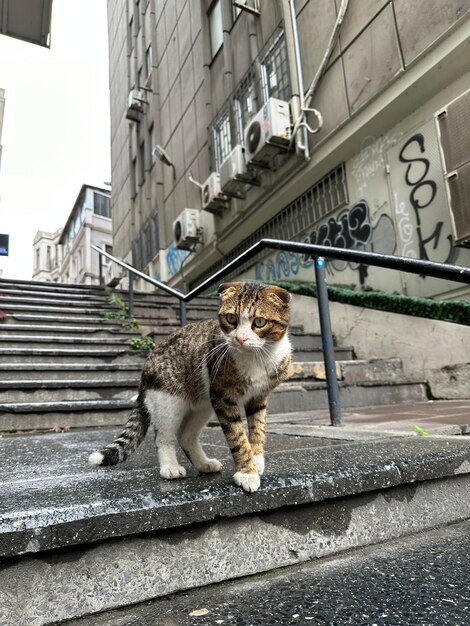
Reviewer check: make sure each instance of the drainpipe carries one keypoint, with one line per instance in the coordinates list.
(295, 70)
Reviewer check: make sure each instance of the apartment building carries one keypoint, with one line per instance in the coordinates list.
(66, 255)
(212, 150)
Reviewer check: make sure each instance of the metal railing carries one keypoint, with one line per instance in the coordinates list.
(319, 253)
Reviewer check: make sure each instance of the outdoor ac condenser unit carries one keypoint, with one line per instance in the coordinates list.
(453, 123)
(212, 197)
(268, 132)
(187, 229)
(235, 174)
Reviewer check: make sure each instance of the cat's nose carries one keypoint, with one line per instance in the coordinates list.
(241, 340)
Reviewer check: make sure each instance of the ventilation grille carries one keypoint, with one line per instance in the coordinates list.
(454, 133)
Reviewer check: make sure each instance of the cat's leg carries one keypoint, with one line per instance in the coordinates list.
(189, 439)
(229, 415)
(255, 411)
(167, 413)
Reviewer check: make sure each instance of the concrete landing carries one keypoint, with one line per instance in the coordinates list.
(77, 540)
(52, 498)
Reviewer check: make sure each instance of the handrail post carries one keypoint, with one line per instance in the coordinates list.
(183, 318)
(334, 402)
(130, 305)
(100, 267)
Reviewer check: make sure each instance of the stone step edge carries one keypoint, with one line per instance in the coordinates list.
(147, 513)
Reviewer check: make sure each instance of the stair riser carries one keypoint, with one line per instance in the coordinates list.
(62, 420)
(95, 343)
(85, 375)
(317, 355)
(352, 396)
(109, 325)
(72, 394)
(66, 331)
(80, 357)
(55, 310)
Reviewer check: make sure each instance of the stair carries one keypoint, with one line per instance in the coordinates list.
(64, 523)
(63, 364)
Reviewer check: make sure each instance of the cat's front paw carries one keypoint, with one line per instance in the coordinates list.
(258, 460)
(211, 466)
(172, 471)
(248, 482)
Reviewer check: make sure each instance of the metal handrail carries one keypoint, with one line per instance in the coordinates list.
(444, 271)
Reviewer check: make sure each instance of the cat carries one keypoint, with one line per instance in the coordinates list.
(226, 366)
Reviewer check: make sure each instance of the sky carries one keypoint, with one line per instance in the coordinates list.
(56, 127)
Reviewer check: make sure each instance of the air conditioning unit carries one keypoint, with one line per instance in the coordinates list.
(135, 105)
(235, 174)
(268, 132)
(187, 229)
(212, 197)
(453, 123)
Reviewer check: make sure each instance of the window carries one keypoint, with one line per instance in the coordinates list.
(142, 163)
(146, 244)
(101, 205)
(215, 28)
(139, 77)
(151, 145)
(236, 11)
(137, 16)
(133, 178)
(275, 71)
(148, 60)
(221, 138)
(244, 103)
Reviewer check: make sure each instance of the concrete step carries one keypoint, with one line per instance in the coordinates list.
(55, 309)
(308, 396)
(50, 341)
(63, 415)
(7, 284)
(341, 354)
(71, 370)
(58, 355)
(15, 294)
(32, 390)
(318, 498)
(32, 330)
(53, 319)
(43, 301)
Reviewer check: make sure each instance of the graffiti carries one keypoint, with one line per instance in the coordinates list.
(351, 229)
(422, 193)
(283, 265)
(371, 160)
(405, 229)
(174, 259)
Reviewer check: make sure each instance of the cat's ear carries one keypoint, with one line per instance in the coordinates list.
(228, 289)
(278, 294)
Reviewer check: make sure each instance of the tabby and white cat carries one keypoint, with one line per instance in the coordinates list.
(227, 366)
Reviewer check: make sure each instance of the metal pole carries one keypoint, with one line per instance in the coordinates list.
(327, 344)
(131, 294)
(100, 265)
(183, 318)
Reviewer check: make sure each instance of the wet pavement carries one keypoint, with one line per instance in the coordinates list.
(421, 580)
(52, 498)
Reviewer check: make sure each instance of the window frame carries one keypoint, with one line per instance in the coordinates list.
(215, 13)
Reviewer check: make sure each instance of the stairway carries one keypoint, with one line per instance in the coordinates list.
(65, 362)
(76, 540)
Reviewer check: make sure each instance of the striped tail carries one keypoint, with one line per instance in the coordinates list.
(128, 441)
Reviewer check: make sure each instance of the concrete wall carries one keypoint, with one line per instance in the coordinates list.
(431, 350)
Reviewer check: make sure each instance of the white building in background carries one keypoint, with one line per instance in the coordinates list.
(47, 256)
(66, 256)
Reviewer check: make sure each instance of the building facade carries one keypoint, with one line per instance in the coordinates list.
(66, 255)
(199, 91)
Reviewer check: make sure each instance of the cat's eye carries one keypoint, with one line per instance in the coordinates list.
(231, 318)
(259, 322)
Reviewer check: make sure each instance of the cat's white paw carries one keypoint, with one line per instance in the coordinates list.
(258, 460)
(210, 466)
(172, 471)
(248, 482)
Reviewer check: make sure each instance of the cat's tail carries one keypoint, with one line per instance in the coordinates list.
(128, 441)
